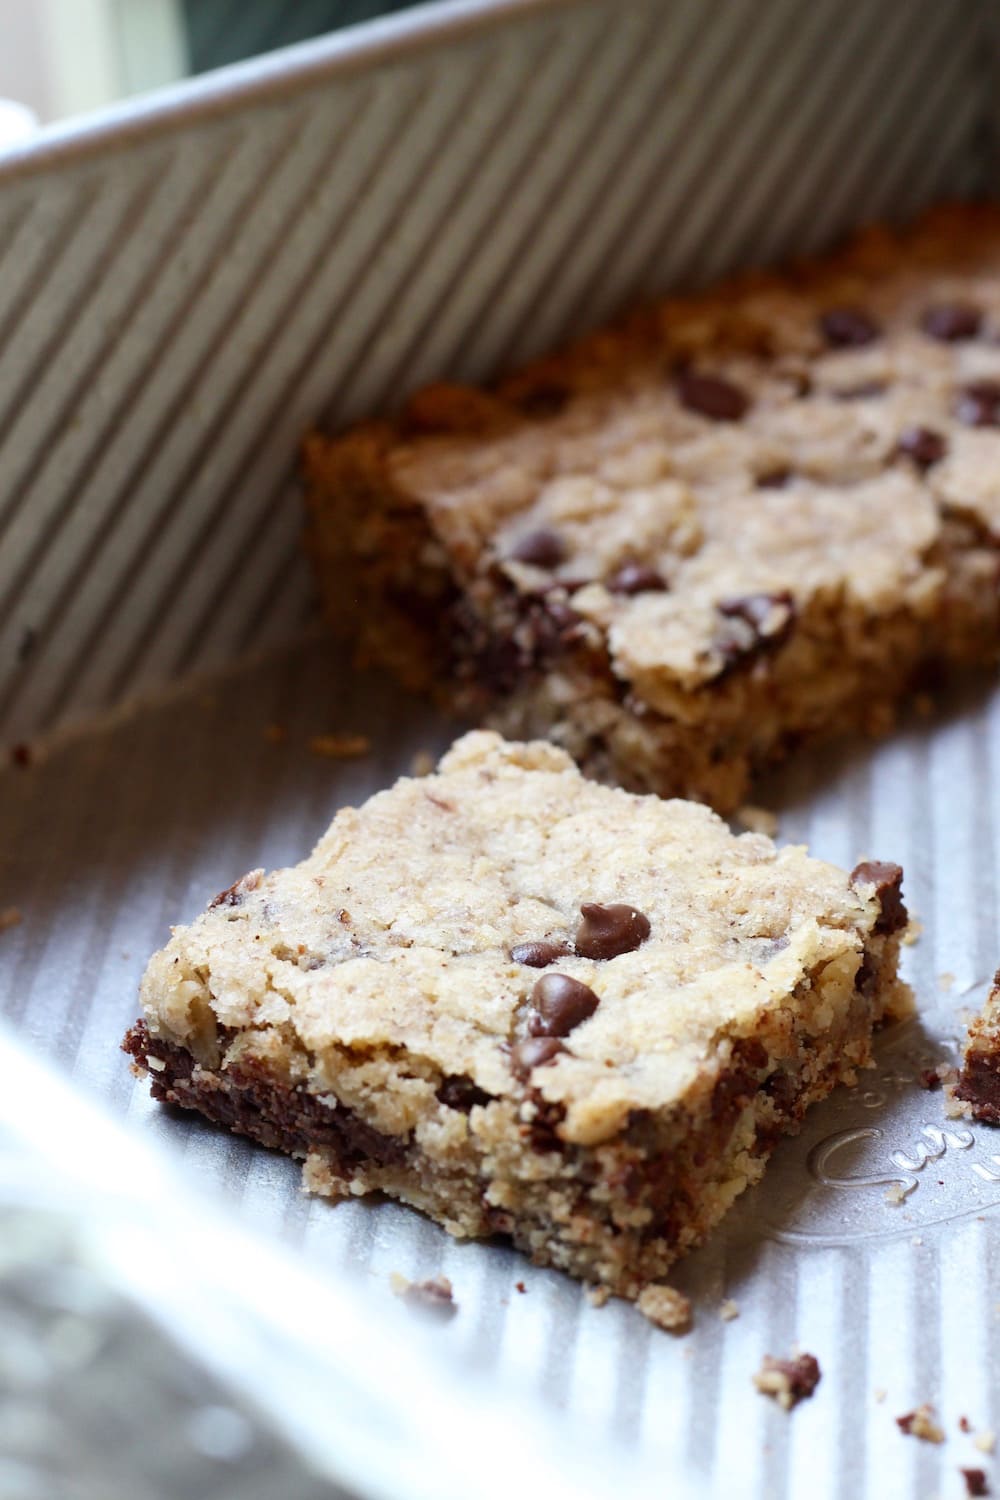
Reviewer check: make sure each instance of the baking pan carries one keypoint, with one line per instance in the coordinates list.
(185, 286)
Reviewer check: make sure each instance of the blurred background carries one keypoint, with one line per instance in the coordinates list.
(63, 57)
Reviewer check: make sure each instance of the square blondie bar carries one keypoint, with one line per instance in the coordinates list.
(733, 522)
(529, 1004)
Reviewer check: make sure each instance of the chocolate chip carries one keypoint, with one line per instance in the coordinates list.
(560, 1003)
(848, 327)
(923, 445)
(773, 479)
(607, 931)
(711, 396)
(636, 578)
(533, 1052)
(752, 624)
(952, 321)
(975, 1481)
(542, 549)
(887, 880)
(539, 954)
(978, 404)
(459, 1092)
(237, 893)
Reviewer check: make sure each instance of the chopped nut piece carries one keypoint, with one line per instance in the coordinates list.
(920, 1423)
(340, 746)
(788, 1381)
(666, 1307)
(729, 1310)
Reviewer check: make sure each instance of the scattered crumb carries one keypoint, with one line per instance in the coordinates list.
(933, 1078)
(917, 1239)
(788, 1381)
(422, 764)
(729, 1310)
(964, 1425)
(519, 1286)
(955, 1109)
(276, 734)
(665, 1307)
(985, 1441)
(10, 916)
(880, 1394)
(946, 980)
(975, 1481)
(920, 1423)
(913, 933)
(21, 755)
(597, 1295)
(340, 746)
(757, 819)
(896, 1194)
(434, 1295)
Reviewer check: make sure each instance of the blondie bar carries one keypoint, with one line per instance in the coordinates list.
(529, 1004)
(733, 522)
(978, 1083)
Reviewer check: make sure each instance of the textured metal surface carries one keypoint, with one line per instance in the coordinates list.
(121, 833)
(187, 286)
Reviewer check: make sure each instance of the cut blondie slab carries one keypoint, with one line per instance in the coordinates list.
(529, 1004)
(978, 1083)
(732, 522)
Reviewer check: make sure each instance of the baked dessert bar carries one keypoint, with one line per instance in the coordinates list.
(734, 521)
(978, 1083)
(529, 1004)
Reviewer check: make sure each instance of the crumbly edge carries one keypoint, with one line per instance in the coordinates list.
(617, 1214)
(513, 661)
(978, 1083)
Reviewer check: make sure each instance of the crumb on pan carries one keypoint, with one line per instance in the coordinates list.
(757, 819)
(435, 1294)
(729, 1310)
(975, 1481)
(946, 980)
(340, 746)
(985, 1441)
(788, 1381)
(519, 1286)
(597, 1296)
(896, 1194)
(666, 1307)
(921, 1423)
(880, 1394)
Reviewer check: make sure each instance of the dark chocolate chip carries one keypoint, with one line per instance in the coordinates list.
(923, 445)
(542, 549)
(237, 893)
(459, 1092)
(636, 578)
(560, 1003)
(978, 404)
(867, 974)
(751, 625)
(533, 1052)
(711, 396)
(773, 479)
(952, 321)
(975, 1481)
(607, 931)
(539, 954)
(848, 327)
(888, 881)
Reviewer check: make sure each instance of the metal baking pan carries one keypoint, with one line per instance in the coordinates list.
(185, 285)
